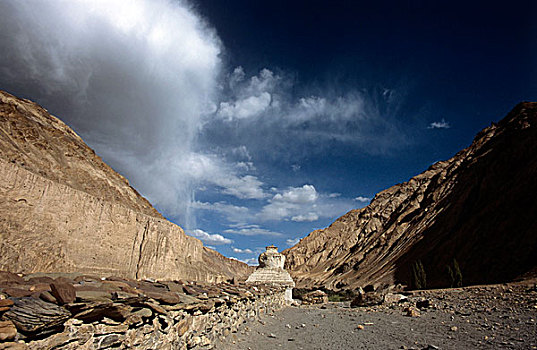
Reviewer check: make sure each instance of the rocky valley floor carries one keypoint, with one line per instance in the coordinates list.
(482, 317)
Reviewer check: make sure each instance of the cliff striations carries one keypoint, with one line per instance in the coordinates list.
(477, 208)
(62, 209)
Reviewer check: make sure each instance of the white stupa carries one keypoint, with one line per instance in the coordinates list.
(271, 271)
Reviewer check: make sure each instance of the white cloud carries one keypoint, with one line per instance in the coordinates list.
(439, 125)
(305, 218)
(133, 78)
(248, 107)
(245, 187)
(250, 99)
(209, 169)
(251, 230)
(289, 203)
(362, 199)
(303, 204)
(233, 213)
(207, 238)
(241, 152)
(242, 251)
(292, 242)
(304, 194)
(269, 114)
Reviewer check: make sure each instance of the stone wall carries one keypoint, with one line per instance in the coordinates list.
(128, 314)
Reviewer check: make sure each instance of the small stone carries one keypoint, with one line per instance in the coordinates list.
(272, 335)
(195, 341)
(454, 328)
(411, 312)
(423, 304)
(288, 326)
(360, 326)
(144, 313)
(107, 341)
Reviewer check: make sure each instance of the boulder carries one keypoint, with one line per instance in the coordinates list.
(64, 292)
(367, 299)
(35, 316)
(8, 331)
(315, 297)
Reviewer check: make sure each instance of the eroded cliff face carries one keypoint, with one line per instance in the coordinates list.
(62, 209)
(478, 208)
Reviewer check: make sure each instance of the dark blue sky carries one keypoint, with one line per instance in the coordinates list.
(252, 123)
(467, 63)
(454, 56)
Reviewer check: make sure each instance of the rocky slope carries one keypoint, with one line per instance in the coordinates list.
(478, 208)
(62, 209)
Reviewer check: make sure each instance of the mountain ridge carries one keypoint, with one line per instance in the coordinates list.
(408, 222)
(63, 209)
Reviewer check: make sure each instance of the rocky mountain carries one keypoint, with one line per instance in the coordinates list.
(62, 209)
(475, 213)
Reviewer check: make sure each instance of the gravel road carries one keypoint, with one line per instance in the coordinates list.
(486, 317)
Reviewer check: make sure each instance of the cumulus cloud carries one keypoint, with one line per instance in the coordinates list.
(291, 203)
(303, 204)
(214, 239)
(250, 106)
(242, 251)
(362, 199)
(132, 77)
(439, 125)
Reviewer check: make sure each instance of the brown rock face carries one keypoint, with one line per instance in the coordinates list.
(62, 209)
(477, 208)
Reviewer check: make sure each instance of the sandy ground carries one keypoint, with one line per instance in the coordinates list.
(487, 317)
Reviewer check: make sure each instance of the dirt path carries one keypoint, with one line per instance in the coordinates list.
(484, 318)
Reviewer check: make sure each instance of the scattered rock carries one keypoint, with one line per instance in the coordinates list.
(423, 304)
(315, 297)
(48, 297)
(64, 292)
(367, 299)
(35, 316)
(391, 298)
(411, 312)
